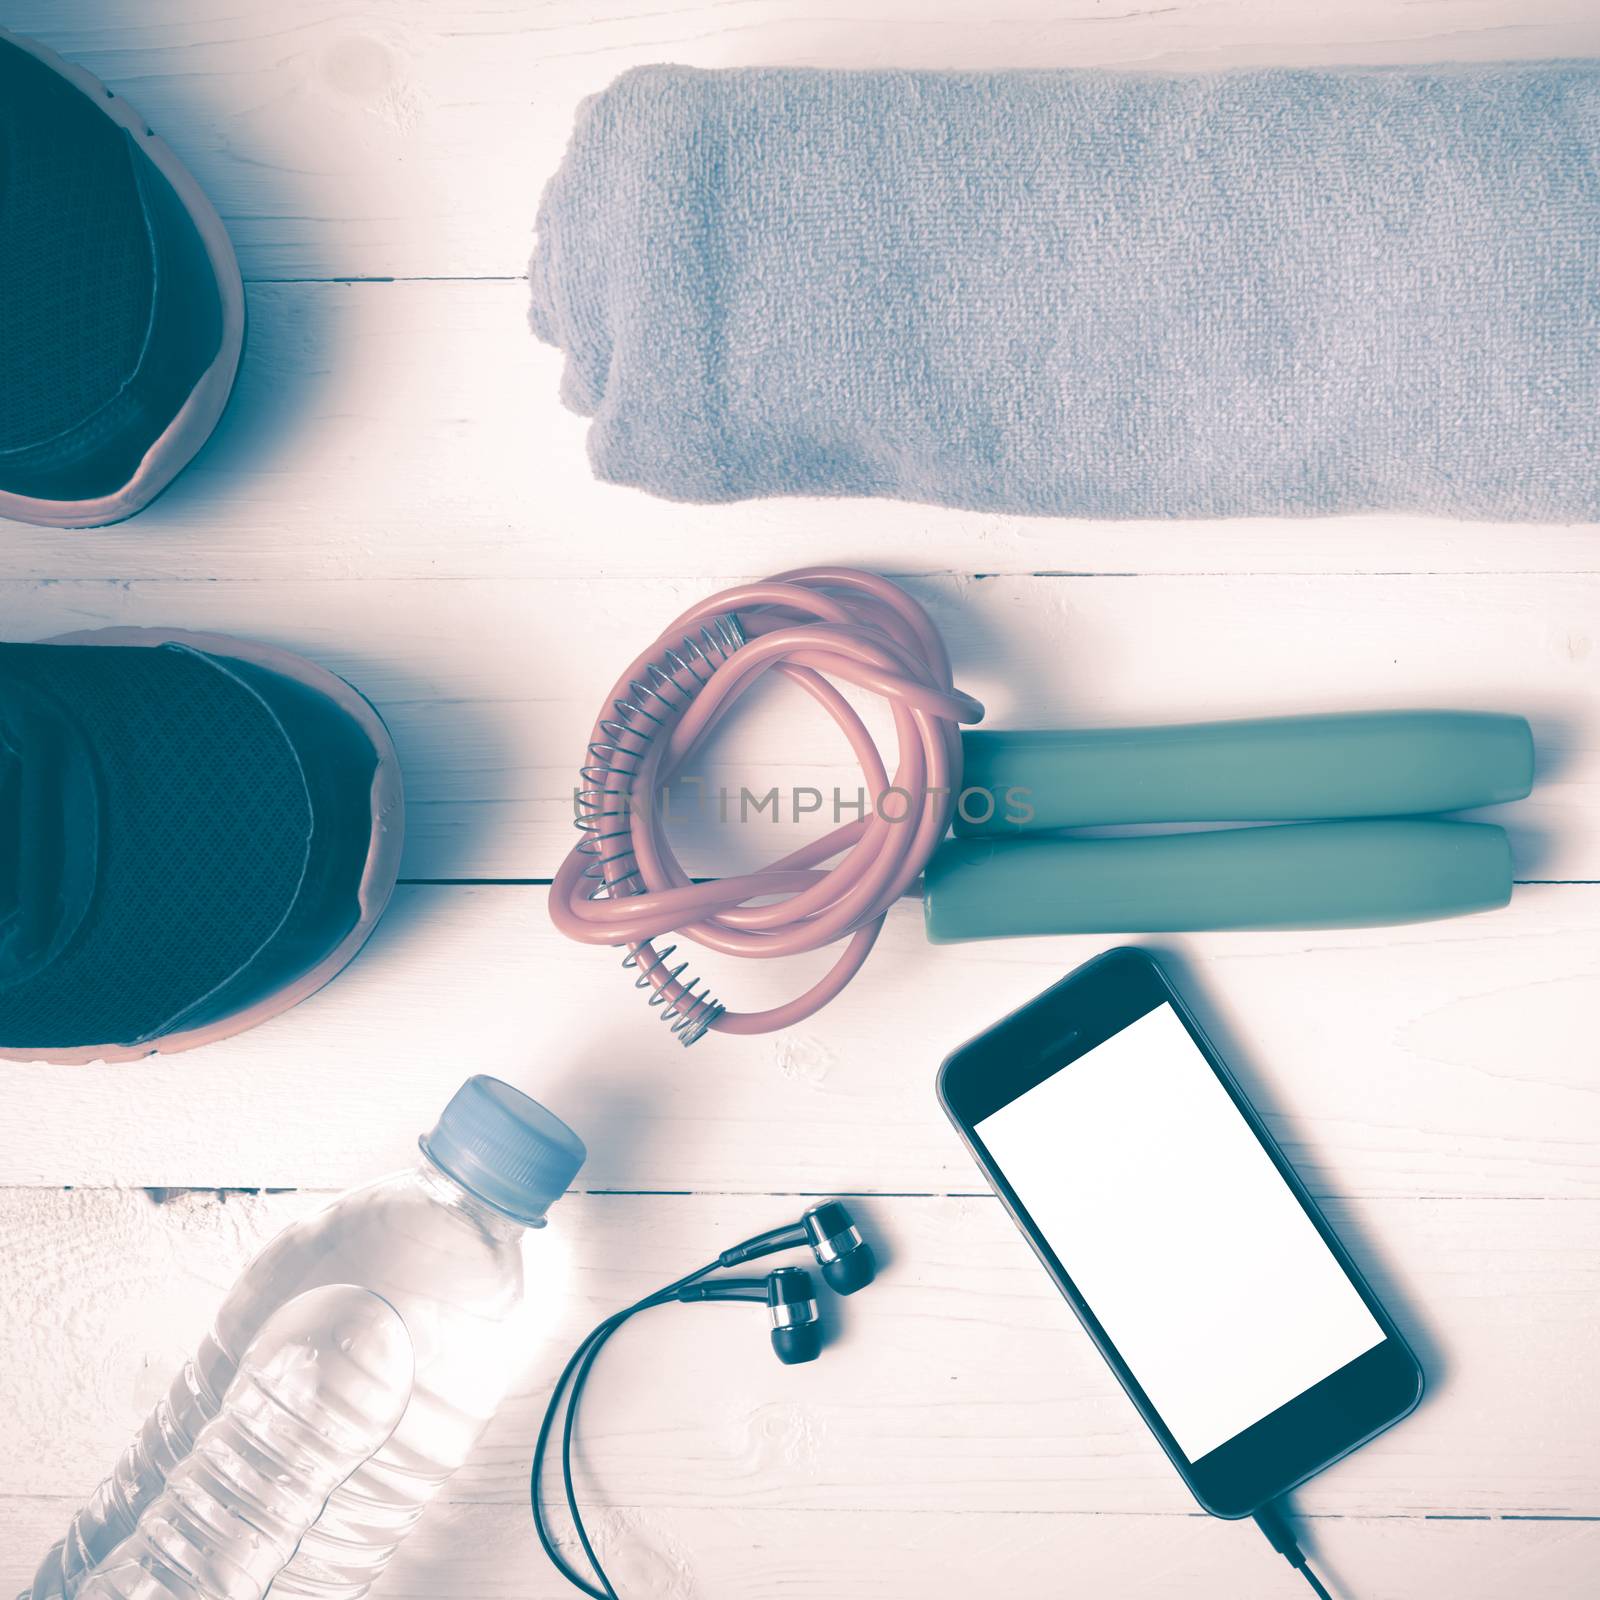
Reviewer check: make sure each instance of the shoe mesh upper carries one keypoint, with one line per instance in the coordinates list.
(77, 269)
(205, 826)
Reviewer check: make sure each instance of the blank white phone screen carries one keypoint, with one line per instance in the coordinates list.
(1178, 1231)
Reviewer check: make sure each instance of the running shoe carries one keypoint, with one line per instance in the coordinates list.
(121, 306)
(196, 833)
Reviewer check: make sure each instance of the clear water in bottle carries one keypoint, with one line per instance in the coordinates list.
(319, 1391)
(442, 1244)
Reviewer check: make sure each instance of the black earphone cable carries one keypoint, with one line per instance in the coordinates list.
(605, 1591)
(546, 1540)
(1271, 1518)
(580, 1378)
(575, 1397)
(573, 1377)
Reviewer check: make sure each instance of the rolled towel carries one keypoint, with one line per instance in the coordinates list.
(1088, 293)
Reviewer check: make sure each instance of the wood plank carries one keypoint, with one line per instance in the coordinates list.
(491, 684)
(1455, 1058)
(958, 1382)
(468, 1552)
(412, 139)
(413, 430)
(476, 1551)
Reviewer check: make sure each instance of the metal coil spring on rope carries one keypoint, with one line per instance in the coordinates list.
(606, 802)
(622, 885)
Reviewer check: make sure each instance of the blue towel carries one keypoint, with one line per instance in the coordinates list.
(1088, 293)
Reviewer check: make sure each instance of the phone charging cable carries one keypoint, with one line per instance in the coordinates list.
(1272, 1522)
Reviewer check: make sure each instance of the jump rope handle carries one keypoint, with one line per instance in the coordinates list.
(1368, 871)
(1272, 769)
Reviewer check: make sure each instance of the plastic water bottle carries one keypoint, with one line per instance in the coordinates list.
(443, 1244)
(320, 1389)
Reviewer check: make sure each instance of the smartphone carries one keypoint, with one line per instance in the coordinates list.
(1190, 1251)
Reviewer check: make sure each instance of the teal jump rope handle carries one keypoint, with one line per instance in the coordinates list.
(1302, 875)
(1274, 769)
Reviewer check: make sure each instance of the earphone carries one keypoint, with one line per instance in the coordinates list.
(796, 1326)
(844, 1258)
(846, 1263)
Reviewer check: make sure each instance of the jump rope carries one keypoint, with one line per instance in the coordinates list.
(1351, 803)
(1353, 837)
(622, 884)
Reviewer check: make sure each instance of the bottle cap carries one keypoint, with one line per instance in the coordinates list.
(505, 1148)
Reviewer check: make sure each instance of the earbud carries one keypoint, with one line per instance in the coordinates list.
(796, 1328)
(844, 1258)
(791, 1302)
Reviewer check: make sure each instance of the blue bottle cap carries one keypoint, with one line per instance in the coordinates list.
(505, 1149)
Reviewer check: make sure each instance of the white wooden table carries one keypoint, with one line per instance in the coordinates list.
(397, 493)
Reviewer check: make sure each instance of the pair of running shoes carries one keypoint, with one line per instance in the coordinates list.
(196, 832)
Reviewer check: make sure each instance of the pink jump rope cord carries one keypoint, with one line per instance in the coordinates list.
(622, 884)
